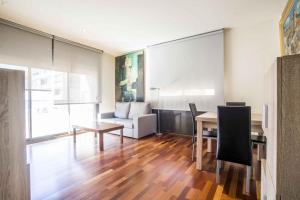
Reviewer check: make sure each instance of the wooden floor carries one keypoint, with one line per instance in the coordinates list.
(150, 168)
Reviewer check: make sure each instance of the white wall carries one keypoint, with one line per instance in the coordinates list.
(108, 83)
(249, 51)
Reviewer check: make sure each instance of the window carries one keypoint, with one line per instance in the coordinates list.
(82, 113)
(58, 73)
(47, 101)
(48, 88)
(82, 88)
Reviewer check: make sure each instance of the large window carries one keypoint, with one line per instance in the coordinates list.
(47, 88)
(62, 78)
(82, 113)
(49, 107)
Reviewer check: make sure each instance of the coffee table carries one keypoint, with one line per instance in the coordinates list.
(99, 128)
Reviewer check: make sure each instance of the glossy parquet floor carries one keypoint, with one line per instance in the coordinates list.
(150, 168)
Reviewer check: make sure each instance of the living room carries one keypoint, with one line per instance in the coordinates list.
(149, 100)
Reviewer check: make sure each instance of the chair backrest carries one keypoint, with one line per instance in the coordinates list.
(193, 109)
(234, 134)
(235, 103)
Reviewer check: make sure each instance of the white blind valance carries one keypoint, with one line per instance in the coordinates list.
(23, 48)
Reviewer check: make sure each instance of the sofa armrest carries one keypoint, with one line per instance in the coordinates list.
(107, 115)
(144, 125)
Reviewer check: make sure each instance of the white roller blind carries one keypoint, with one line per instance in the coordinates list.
(83, 66)
(187, 70)
(23, 48)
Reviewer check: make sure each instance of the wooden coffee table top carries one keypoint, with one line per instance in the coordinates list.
(99, 127)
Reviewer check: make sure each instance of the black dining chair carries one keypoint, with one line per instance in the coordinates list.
(206, 134)
(259, 140)
(234, 138)
(232, 103)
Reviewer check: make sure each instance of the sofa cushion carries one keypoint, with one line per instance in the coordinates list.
(122, 110)
(138, 109)
(128, 123)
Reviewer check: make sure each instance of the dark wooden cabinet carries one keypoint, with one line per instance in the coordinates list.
(175, 121)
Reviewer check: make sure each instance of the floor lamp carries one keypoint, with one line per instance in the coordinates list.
(158, 111)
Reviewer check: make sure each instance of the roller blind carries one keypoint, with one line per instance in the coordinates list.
(187, 70)
(23, 48)
(83, 67)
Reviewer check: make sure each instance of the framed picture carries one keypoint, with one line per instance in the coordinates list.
(290, 28)
(129, 85)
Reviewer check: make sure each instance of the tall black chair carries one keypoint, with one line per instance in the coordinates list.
(259, 140)
(232, 103)
(206, 134)
(234, 138)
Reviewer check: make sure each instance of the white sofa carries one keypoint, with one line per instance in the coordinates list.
(136, 118)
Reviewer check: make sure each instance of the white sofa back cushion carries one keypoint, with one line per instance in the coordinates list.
(122, 110)
(138, 109)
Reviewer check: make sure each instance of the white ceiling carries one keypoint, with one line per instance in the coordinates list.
(119, 26)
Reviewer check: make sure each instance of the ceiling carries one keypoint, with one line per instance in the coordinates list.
(120, 26)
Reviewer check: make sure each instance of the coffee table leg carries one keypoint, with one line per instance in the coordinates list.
(74, 135)
(101, 141)
(121, 136)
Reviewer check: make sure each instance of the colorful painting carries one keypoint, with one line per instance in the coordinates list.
(130, 77)
(290, 28)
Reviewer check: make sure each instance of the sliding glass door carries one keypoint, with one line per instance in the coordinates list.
(47, 88)
(82, 91)
(55, 100)
(62, 78)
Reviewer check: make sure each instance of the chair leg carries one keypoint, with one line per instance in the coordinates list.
(248, 179)
(193, 151)
(219, 163)
(258, 152)
(209, 145)
(222, 164)
(194, 139)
